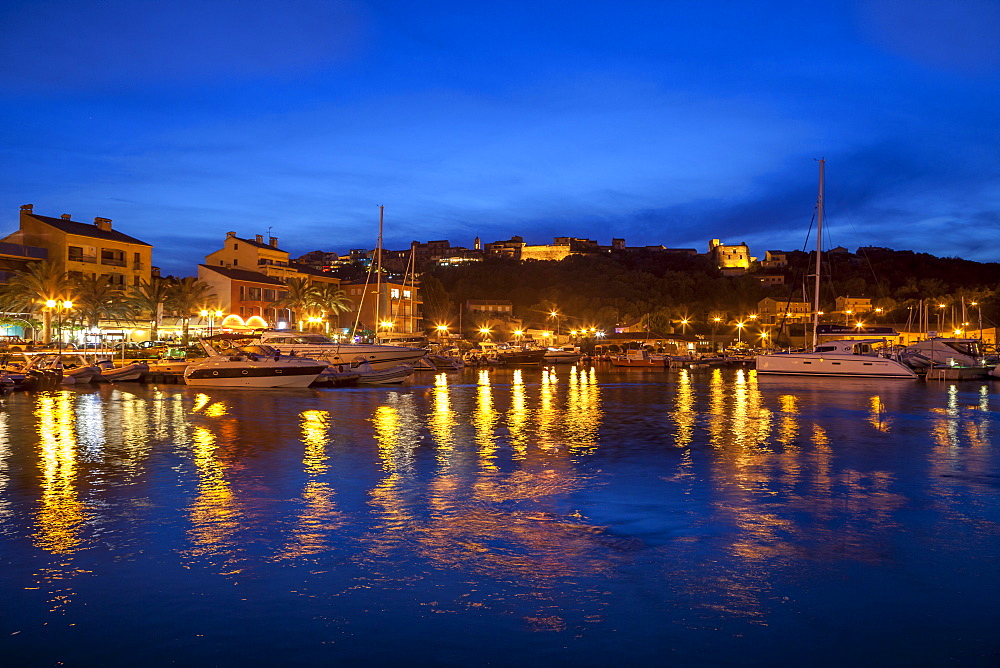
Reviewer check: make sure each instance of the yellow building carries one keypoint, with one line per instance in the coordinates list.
(252, 255)
(86, 249)
(772, 310)
(731, 259)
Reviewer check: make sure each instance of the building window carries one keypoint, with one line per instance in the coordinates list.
(115, 258)
(242, 296)
(269, 295)
(253, 294)
(236, 246)
(235, 262)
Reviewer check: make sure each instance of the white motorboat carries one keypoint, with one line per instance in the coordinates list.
(323, 348)
(943, 352)
(563, 355)
(858, 359)
(238, 368)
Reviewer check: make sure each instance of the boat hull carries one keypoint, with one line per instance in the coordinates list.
(833, 366)
(261, 377)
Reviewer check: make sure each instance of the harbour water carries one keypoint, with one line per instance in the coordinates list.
(510, 517)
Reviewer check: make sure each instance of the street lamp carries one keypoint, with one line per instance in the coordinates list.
(715, 324)
(211, 315)
(940, 316)
(484, 332)
(847, 316)
(979, 310)
(739, 332)
(442, 331)
(684, 324)
(60, 307)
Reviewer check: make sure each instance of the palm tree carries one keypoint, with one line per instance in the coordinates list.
(30, 289)
(300, 297)
(149, 298)
(97, 299)
(332, 301)
(187, 296)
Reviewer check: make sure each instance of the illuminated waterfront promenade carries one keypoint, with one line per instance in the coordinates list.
(511, 517)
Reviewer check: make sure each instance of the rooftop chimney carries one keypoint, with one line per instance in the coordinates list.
(230, 235)
(103, 224)
(274, 242)
(26, 208)
(66, 216)
(260, 238)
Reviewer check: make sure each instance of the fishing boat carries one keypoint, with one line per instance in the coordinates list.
(370, 376)
(265, 368)
(640, 358)
(844, 358)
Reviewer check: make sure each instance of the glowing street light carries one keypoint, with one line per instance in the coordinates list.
(484, 332)
(60, 307)
(442, 331)
(211, 315)
(739, 331)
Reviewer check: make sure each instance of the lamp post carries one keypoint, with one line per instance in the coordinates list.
(60, 307)
(485, 333)
(715, 324)
(940, 316)
(979, 311)
(442, 331)
(739, 332)
(211, 315)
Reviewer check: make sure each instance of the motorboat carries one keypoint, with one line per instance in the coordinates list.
(261, 368)
(563, 355)
(370, 376)
(943, 352)
(642, 358)
(505, 354)
(852, 358)
(320, 347)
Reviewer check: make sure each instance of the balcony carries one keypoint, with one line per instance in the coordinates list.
(138, 266)
(113, 262)
(73, 257)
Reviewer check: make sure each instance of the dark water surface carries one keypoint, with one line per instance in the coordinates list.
(508, 517)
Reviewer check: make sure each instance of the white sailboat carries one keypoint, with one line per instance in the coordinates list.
(850, 358)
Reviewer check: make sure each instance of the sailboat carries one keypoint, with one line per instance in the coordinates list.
(850, 358)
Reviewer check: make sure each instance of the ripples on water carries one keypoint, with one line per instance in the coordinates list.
(569, 516)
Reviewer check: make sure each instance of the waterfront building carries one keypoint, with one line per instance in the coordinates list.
(849, 305)
(85, 249)
(245, 298)
(771, 311)
(387, 306)
(252, 255)
(16, 257)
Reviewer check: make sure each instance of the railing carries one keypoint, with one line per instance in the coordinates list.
(92, 259)
(138, 266)
(23, 251)
(113, 262)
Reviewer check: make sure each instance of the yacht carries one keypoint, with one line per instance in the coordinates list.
(943, 352)
(260, 368)
(322, 348)
(851, 358)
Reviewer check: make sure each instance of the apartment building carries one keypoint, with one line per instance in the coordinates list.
(86, 249)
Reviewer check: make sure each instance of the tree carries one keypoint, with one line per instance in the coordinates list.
(148, 299)
(188, 296)
(30, 289)
(97, 299)
(301, 296)
(332, 300)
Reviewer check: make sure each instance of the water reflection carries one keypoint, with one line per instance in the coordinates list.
(522, 479)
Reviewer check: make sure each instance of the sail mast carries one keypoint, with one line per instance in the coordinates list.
(819, 250)
(378, 274)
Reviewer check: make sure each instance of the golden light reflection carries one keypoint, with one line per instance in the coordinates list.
(485, 418)
(442, 419)
(683, 415)
(61, 516)
(318, 518)
(788, 424)
(583, 415)
(517, 416)
(216, 514)
(878, 416)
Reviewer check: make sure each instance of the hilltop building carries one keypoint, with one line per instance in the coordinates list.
(732, 260)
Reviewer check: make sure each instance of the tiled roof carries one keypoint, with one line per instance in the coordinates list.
(87, 230)
(258, 244)
(244, 275)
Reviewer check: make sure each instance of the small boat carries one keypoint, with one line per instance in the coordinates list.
(237, 368)
(320, 347)
(369, 376)
(641, 358)
(119, 374)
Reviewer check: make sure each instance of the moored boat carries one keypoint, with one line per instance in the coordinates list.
(641, 358)
(849, 358)
(251, 370)
(320, 347)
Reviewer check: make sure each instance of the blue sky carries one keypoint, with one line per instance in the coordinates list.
(661, 122)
